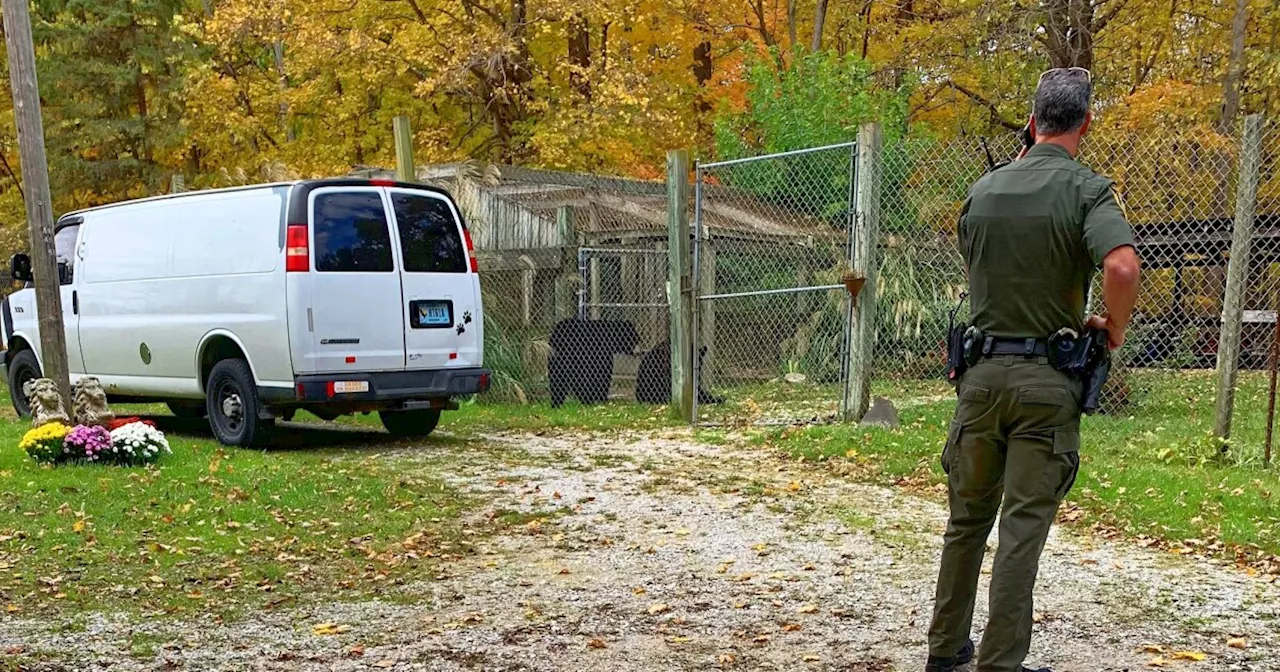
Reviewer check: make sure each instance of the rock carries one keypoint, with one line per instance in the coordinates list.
(881, 414)
(795, 378)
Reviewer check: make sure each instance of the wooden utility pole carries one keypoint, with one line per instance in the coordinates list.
(1237, 275)
(866, 262)
(35, 173)
(404, 149)
(680, 284)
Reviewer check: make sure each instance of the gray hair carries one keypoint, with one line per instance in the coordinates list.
(1062, 102)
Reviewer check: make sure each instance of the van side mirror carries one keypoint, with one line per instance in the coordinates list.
(20, 268)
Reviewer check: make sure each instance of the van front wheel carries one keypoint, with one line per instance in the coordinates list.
(419, 423)
(231, 401)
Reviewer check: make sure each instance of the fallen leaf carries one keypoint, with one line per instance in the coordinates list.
(682, 532)
(1188, 655)
(790, 627)
(678, 640)
(638, 591)
(385, 663)
(78, 526)
(658, 608)
(725, 659)
(1157, 662)
(1237, 642)
(810, 658)
(1152, 648)
(761, 639)
(13, 608)
(563, 570)
(596, 643)
(356, 651)
(329, 629)
(808, 609)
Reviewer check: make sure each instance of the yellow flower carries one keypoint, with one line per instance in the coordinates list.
(53, 431)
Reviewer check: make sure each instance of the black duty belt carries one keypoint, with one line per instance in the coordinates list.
(1027, 347)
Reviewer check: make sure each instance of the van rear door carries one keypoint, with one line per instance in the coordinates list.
(356, 320)
(441, 288)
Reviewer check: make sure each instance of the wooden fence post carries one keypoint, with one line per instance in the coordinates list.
(404, 149)
(39, 202)
(680, 283)
(1237, 275)
(177, 183)
(866, 261)
(566, 299)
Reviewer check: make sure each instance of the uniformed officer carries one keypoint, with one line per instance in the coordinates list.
(1032, 234)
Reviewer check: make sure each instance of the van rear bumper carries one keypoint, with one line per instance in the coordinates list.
(383, 386)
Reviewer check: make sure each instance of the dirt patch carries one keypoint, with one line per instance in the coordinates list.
(651, 551)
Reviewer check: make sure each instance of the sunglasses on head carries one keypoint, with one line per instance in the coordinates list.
(1087, 75)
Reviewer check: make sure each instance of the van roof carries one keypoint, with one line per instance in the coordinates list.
(309, 184)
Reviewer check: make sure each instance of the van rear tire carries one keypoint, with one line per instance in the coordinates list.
(418, 424)
(231, 401)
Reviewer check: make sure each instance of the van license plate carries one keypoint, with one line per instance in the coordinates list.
(431, 314)
(350, 386)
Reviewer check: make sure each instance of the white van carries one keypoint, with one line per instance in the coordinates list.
(245, 305)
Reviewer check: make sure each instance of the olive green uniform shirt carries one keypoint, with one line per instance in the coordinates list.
(1032, 234)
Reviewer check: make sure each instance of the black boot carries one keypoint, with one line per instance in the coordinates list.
(962, 657)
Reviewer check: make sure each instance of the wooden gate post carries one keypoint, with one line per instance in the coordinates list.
(566, 289)
(866, 261)
(405, 171)
(1237, 275)
(680, 283)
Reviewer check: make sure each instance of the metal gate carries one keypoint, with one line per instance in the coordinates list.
(626, 284)
(773, 236)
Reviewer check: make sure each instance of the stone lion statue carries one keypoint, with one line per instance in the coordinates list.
(46, 403)
(90, 403)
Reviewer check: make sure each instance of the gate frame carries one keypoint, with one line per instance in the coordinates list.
(700, 234)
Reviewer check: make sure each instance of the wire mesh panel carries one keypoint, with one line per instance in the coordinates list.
(624, 291)
(771, 317)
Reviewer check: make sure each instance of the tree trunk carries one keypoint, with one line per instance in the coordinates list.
(1234, 80)
(819, 18)
(792, 6)
(580, 55)
(282, 78)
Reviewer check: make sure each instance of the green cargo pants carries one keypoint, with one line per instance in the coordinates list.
(1016, 437)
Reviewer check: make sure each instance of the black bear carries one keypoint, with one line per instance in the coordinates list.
(653, 380)
(582, 353)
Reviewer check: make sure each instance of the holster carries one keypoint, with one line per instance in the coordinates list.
(1085, 358)
(1099, 368)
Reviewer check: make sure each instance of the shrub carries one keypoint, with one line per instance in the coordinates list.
(90, 444)
(138, 443)
(45, 443)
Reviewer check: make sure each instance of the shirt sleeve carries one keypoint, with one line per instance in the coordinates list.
(1105, 226)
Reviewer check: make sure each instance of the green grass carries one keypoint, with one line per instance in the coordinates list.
(1154, 471)
(215, 530)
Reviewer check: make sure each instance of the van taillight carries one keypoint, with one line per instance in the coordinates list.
(471, 252)
(297, 255)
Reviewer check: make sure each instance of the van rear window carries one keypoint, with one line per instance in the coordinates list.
(350, 231)
(429, 238)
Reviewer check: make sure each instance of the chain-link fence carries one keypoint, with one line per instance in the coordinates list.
(772, 239)
(573, 269)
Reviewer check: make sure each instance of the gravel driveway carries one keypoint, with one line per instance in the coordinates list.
(661, 553)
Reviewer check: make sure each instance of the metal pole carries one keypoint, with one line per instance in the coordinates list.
(1274, 365)
(852, 215)
(696, 336)
(582, 286)
(39, 202)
